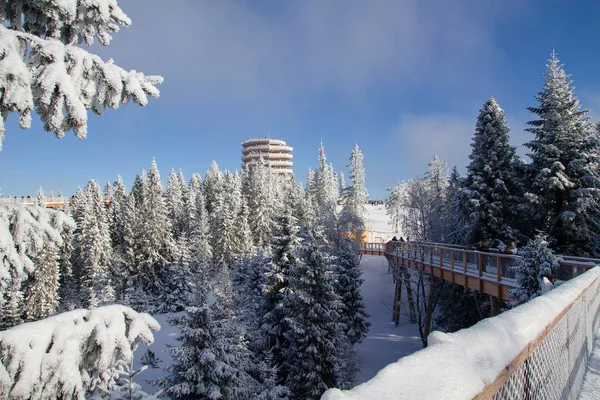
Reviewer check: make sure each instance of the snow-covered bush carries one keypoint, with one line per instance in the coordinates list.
(70, 355)
(24, 232)
(42, 68)
(536, 263)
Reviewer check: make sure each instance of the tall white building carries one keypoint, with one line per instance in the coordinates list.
(275, 153)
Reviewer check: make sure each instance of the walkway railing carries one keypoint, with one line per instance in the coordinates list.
(538, 350)
(52, 202)
(553, 365)
(491, 272)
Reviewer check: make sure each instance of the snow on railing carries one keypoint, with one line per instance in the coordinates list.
(538, 350)
(53, 201)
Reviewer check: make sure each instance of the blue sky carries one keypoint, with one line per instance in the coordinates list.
(402, 78)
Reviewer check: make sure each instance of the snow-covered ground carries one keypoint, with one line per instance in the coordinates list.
(164, 338)
(385, 343)
(376, 222)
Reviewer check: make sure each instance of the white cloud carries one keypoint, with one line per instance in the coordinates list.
(273, 51)
(420, 137)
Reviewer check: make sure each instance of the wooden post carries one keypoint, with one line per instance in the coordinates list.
(499, 271)
(411, 304)
(429, 312)
(397, 301)
(495, 306)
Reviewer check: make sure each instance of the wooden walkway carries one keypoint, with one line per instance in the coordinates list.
(485, 272)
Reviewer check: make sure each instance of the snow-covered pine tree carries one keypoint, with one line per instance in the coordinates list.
(95, 250)
(271, 389)
(285, 248)
(245, 243)
(342, 185)
(537, 261)
(347, 285)
(185, 218)
(107, 193)
(199, 223)
(175, 205)
(45, 69)
(355, 195)
(26, 230)
(213, 187)
(212, 360)
(563, 185)
(452, 230)
(40, 198)
(224, 235)
(117, 219)
(489, 188)
(12, 309)
(326, 192)
(311, 185)
(437, 183)
(260, 203)
(157, 246)
(67, 284)
(134, 293)
(42, 293)
(314, 335)
(139, 189)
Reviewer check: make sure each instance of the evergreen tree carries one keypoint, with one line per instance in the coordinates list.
(563, 178)
(157, 247)
(140, 188)
(342, 185)
(175, 204)
(455, 225)
(199, 225)
(116, 219)
(213, 187)
(356, 195)
(260, 203)
(40, 198)
(537, 261)
(67, 283)
(325, 192)
(12, 309)
(347, 285)
(285, 248)
(42, 294)
(95, 250)
(212, 360)
(246, 247)
(107, 191)
(314, 336)
(225, 248)
(490, 185)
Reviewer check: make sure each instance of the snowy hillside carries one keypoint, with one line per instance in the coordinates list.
(377, 222)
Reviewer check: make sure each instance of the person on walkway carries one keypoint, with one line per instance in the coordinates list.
(512, 248)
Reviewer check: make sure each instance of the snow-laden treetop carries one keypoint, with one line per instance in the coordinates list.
(42, 66)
